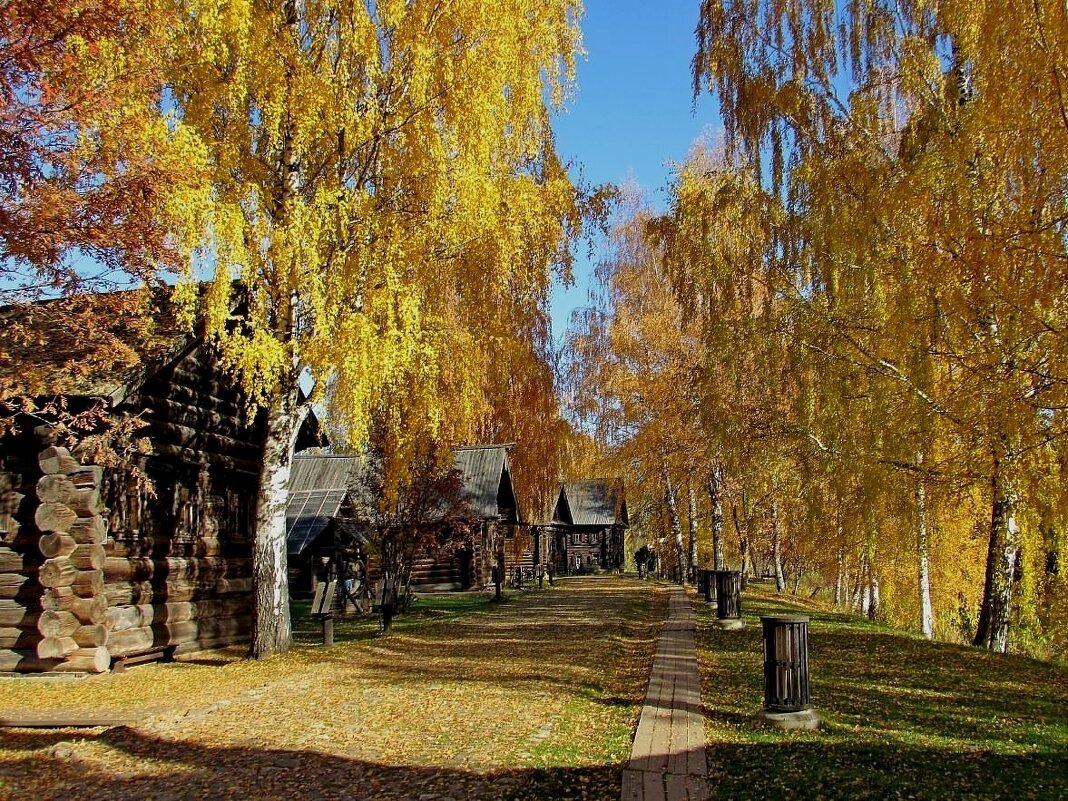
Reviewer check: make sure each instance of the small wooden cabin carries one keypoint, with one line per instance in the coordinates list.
(319, 517)
(320, 505)
(99, 565)
(587, 526)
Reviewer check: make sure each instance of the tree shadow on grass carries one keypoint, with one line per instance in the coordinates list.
(812, 769)
(870, 677)
(180, 770)
(903, 717)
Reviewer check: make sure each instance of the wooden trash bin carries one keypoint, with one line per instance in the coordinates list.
(786, 678)
(728, 585)
(707, 585)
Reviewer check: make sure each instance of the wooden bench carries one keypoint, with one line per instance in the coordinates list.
(161, 653)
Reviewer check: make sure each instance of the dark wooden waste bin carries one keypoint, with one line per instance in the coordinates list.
(708, 586)
(728, 594)
(785, 663)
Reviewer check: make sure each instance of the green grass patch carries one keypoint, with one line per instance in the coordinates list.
(355, 627)
(902, 717)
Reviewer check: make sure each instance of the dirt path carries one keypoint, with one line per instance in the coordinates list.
(536, 697)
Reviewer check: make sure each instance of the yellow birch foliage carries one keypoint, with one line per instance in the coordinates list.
(922, 153)
(384, 178)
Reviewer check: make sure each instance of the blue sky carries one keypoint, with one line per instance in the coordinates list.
(633, 112)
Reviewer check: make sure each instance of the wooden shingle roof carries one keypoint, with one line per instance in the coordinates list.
(594, 502)
(319, 487)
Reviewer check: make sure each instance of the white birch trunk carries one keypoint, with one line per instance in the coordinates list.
(923, 557)
(776, 549)
(742, 527)
(1003, 554)
(271, 628)
(676, 525)
(715, 499)
(692, 533)
(862, 587)
(873, 594)
(840, 563)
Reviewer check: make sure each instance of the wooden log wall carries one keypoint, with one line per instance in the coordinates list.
(95, 565)
(70, 623)
(20, 591)
(82, 601)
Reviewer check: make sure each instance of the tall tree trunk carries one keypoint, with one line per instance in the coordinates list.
(776, 549)
(691, 510)
(839, 577)
(271, 625)
(871, 562)
(1003, 555)
(742, 527)
(271, 628)
(873, 593)
(923, 555)
(715, 499)
(676, 525)
(840, 565)
(862, 588)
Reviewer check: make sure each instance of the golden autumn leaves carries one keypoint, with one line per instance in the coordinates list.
(366, 193)
(874, 269)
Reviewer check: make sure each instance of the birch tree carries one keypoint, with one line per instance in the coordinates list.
(383, 174)
(950, 147)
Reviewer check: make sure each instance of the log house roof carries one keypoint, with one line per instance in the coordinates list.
(594, 502)
(321, 485)
(91, 345)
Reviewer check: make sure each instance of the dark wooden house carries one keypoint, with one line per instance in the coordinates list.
(321, 508)
(587, 526)
(100, 564)
(320, 518)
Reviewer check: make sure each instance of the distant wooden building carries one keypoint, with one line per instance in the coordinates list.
(587, 526)
(320, 518)
(321, 508)
(99, 566)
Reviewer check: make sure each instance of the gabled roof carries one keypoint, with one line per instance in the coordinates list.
(487, 480)
(89, 345)
(318, 487)
(594, 502)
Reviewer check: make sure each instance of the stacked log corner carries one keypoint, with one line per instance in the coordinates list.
(100, 601)
(20, 592)
(73, 606)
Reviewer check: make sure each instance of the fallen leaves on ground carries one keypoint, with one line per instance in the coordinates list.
(535, 697)
(902, 717)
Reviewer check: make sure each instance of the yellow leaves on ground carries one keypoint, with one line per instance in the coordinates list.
(548, 679)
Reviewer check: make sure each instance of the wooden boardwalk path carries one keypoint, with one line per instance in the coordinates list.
(667, 762)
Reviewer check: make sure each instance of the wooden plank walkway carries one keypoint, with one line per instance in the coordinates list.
(667, 762)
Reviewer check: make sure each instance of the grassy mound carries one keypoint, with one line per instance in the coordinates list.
(902, 717)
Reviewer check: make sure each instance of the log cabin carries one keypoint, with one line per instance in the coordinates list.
(102, 565)
(587, 525)
(322, 516)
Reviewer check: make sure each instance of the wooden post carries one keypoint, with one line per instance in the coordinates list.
(323, 608)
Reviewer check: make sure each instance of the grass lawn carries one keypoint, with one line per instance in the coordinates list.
(902, 717)
(435, 607)
(535, 697)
